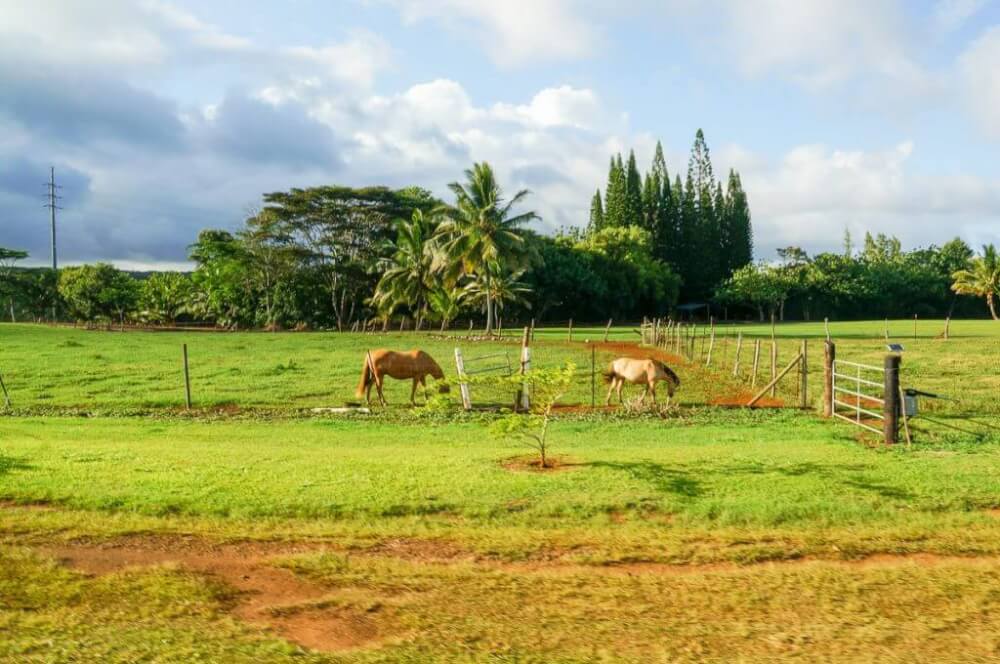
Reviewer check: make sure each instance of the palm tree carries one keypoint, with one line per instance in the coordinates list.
(498, 289)
(478, 235)
(408, 280)
(981, 279)
(446, 303)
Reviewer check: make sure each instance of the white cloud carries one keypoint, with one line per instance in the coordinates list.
(514, 32)
(554, 107)
(980, 84)
(810, 195)
(950, 15)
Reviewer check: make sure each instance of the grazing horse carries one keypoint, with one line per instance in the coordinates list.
(415, 364)
(635, 371)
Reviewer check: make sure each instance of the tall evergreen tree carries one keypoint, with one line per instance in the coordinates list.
(721, 208)
(633, 193)
(650, 203)
(705, 241)
(689, 244)
(614, 195)
(596, 213)
(739, 227)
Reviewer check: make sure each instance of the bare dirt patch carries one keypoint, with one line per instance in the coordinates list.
(264, 595)
(533, 464)
(742, 397)
(38, 506)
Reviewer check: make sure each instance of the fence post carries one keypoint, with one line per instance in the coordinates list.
(607, 329)
(804, 377)
(532, 332)
(826, 326)
(571, 329)
(914, 327)
(6, 396)
(829, 357)
(521, 401)
(887, 330)
(947, 324)
(739, 349)
(593, 377)
(774, 364)
(187, 379)
(463, 386)
(711, 345)
(756, 363)
(890, 411)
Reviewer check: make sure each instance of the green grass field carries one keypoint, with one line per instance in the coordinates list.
(249, 530)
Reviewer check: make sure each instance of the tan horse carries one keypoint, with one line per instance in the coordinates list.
(415, 364)
(636, 371)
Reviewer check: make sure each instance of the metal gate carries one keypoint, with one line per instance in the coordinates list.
(850, 382)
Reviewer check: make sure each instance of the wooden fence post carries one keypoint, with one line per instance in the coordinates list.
(570, 329)
(756, 363)
(826, 326)
(607, 329)
(711, 345)
(914, 327)
(890, 411)
(463, 386)
(739, 349)
(947, 324)
(593, 377)
(774, 381)
(887, 330)
(187, 379)
(774, 365)
(6, 395)
(521, 401)
(804, 377)
(829, 357)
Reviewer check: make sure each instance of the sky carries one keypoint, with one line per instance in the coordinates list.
(164, 117)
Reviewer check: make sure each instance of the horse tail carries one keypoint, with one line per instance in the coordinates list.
(670, 373)
(366, 376)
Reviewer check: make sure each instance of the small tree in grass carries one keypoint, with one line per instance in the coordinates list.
(545, 388)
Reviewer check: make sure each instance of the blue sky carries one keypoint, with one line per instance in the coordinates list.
(163, 117)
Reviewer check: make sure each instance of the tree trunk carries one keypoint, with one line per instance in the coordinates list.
(489, 306)
(13, 319)
(992, 306)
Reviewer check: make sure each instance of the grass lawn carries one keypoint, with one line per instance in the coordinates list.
(247, 531)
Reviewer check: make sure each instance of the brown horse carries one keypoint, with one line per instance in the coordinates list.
(635, 371)
(415, 364)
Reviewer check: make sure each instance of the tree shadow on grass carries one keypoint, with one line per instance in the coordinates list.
(662, 478)
(9, 464)
(884, 490)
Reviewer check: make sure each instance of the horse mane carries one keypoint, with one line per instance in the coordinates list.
(670, 372)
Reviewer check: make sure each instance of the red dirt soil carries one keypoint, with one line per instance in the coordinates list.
(266, 596)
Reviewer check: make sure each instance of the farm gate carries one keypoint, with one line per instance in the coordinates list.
(864, 395)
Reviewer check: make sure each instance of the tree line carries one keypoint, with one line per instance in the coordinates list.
(877, 280)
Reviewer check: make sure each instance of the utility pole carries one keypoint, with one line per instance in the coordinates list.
(51, 205)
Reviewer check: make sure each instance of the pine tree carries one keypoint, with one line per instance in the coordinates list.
(689, 245)
(596, 213)
(704, 227)
(650, 202)
(614, 195)
(722, 218)
(740, 229)
(633, 193)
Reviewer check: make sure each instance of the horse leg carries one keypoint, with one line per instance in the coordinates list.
(652, 391)
(611, 388)
(413, 393)
(423, 384)
(379, 381)
(621, 384)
